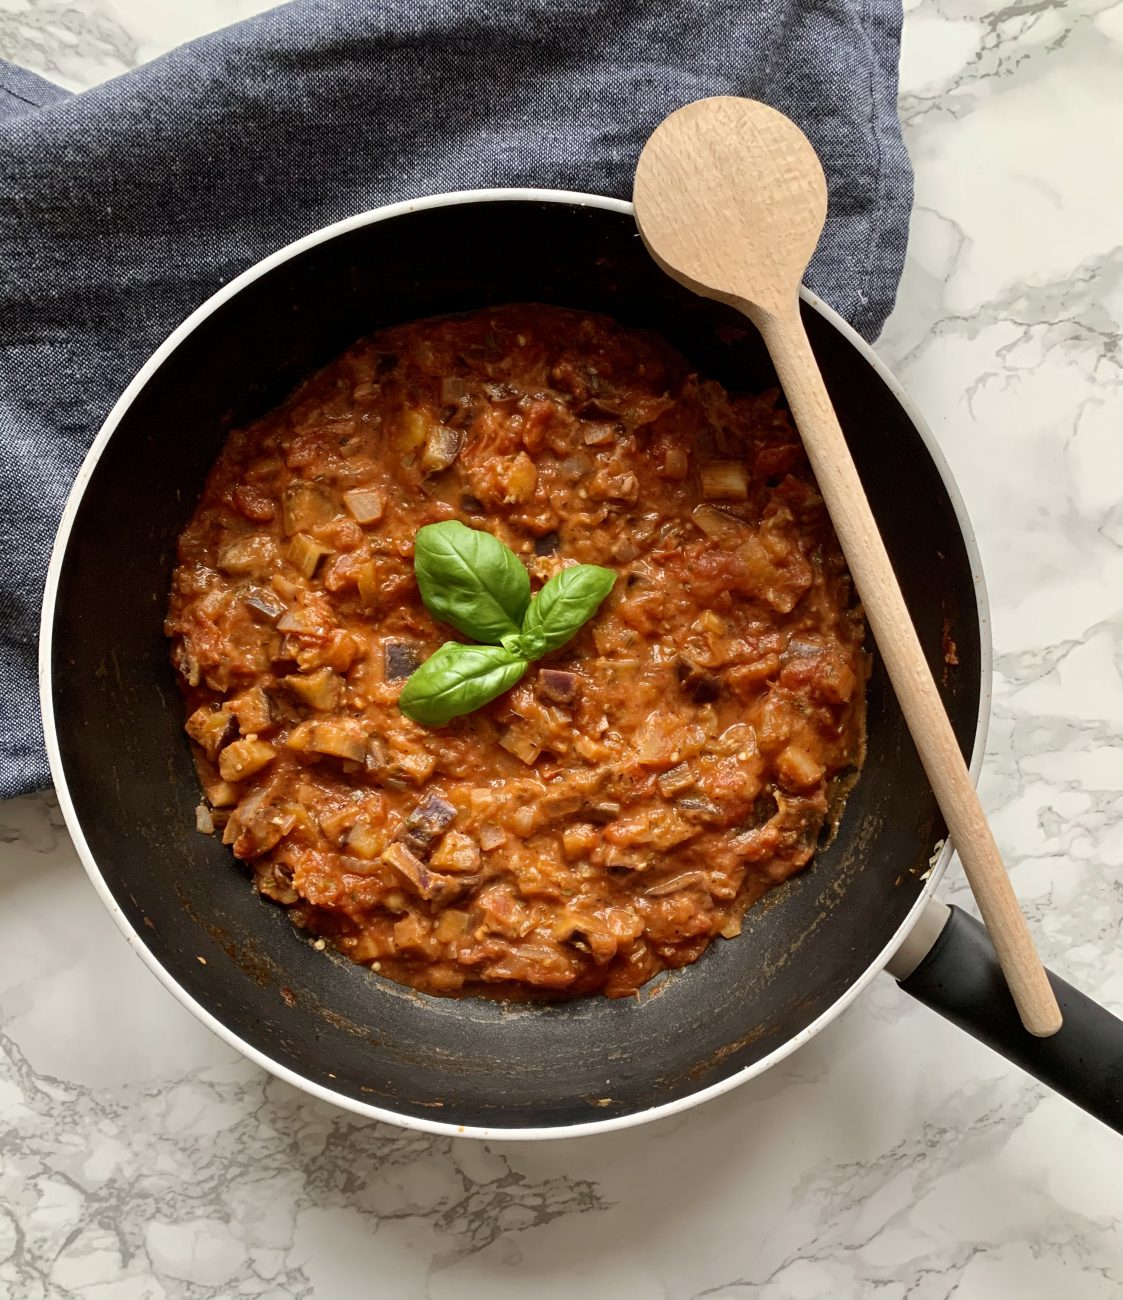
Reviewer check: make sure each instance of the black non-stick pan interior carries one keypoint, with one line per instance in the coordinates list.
(130, 776)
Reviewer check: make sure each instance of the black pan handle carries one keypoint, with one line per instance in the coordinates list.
(961, 979)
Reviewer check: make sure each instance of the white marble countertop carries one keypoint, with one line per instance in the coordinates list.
(893, 1157)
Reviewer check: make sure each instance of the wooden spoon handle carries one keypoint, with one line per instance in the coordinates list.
(912, 680)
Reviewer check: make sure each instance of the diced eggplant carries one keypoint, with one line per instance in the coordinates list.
(252, 555)
(337, 823)
(253, 709)
(456, 853)
(338, 738)
(432, 886)
(304, 620)
(305, 555)
(704, 688)
(363, 841)
(335, 737)
(548, 543)
(220, 794)
(442, 446)
(275, 881)
(602, 812)
(579, 840)
(557, 685)
(471, 504)
(244, 758)
(258, 825)
(427, 823)
(403, 770)
(211, 729)
(377, 755)
(676, 780)
(322, 689)
(304, 505)
(364, 505)
(400, 659)
(453, 925)
(561, 805)
(697, 807)
(186, 663)
(715, 522)
(701, 686)
(264, 604)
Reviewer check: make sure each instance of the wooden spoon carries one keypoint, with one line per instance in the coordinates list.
(730, 200)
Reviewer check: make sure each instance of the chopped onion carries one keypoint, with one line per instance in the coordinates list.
(599, 435)
(521, 745)
(364, 505)
(676, 463)
(491, 836)
(798, 769)
(725, 480)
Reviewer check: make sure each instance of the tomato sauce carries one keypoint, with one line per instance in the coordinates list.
(642, 786)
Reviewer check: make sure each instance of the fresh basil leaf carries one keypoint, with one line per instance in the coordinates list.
(526, 645)
(456, 679)
(470, 579)
(564, 604)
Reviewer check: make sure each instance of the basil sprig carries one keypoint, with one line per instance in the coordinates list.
(470, 579)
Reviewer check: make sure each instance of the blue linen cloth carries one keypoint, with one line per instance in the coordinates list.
(123, 208)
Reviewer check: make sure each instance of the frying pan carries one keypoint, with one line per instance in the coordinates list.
(128, 788)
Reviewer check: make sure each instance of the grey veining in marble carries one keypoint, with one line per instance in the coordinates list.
(892, 1157)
